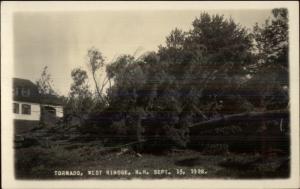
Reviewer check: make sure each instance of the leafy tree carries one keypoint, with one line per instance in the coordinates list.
(271, 69)
(80, 100)
(173, 51)
(80, 87)
(224, 41)
(214, 54)
(272, 39)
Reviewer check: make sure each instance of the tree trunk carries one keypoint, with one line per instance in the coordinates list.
(97, 88)
(235, 118)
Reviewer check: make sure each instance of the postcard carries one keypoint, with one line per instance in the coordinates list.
(150, 94)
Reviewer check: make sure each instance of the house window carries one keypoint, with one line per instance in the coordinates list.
(25, 92)
(16, 91)
(16, 108)
(26, 109)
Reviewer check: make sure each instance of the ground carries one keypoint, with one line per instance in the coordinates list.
(38, 162)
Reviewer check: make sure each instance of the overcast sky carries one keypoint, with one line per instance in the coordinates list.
(60, 40)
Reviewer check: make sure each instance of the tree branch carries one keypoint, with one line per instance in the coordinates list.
(103, 84)
(97, 88)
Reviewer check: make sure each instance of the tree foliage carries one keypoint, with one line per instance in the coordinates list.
(79, 87)
(80, 101)
(217, 68)
(272, 58)
(181, 83)
(272, 39)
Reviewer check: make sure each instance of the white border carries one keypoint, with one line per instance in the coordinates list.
(8, 8)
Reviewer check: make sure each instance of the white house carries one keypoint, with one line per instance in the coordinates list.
(30, 107)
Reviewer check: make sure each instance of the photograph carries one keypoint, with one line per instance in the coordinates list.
(153, 91)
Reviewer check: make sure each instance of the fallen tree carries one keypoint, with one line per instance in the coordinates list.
(238, 118)
(195, 129)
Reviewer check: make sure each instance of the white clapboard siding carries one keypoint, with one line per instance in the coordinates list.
(34, 115)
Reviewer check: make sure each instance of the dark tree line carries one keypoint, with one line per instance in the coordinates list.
(216, 69)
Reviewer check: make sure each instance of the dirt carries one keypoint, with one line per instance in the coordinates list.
(57, 152)
(41, 163)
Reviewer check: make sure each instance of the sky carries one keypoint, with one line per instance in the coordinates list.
(60, 40)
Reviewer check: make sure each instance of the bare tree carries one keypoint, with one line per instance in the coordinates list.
(44, 84)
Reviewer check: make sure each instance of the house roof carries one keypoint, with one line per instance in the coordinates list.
(50, 99)
(34, 96)
(25, 83)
